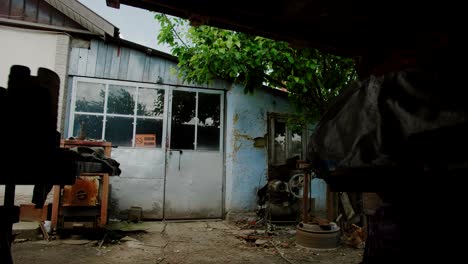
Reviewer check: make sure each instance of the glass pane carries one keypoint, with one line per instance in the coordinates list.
(209, 106)
(121, 100)
(150, 102)
(90, 97)
(295, 145)
(148, 133)
(119, 131)
(183, 120)
(87, 126)
(279, 142)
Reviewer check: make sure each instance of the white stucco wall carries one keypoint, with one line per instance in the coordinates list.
(34, 49)
(246, 165)
(25, 47)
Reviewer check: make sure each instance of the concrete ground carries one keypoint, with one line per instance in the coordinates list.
(178, 242)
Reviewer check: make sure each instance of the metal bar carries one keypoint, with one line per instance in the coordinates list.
(330, 205)
(196, 122)
(89, 113)
(135, 110)
(104, 120)
(167, 140)
(305, 198)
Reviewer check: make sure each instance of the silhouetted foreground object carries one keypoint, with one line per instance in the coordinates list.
(30, 144)
(402, 135)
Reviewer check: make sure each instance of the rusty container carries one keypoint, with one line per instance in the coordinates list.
(312, 236)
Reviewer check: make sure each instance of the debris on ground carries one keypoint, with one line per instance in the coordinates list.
(184, 243)
(354, 236)
(127, 238)
(20, 240)
(76, 241)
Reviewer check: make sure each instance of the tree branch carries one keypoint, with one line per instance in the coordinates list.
(175, 31)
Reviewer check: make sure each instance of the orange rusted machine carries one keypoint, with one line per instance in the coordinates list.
(85, 203)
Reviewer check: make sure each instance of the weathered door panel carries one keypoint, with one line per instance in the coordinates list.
(194, 158)
(141, 182)
(193, 185)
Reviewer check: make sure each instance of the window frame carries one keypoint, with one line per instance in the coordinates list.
(105, 115)
(221, 94)
(272, 117)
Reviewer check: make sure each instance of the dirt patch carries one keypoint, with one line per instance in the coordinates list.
(193, 242)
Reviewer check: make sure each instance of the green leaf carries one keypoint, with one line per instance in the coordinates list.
(205, 53)
(229, 43)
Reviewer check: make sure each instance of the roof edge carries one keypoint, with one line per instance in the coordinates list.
(86, 17)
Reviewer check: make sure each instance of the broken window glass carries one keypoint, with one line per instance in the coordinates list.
(150, 102)
(208, 131)
(121, 100)
(279, 142)
(90, 97)
(87, 126)
(295, 144)
(119, 130)
(148, 130)
(183, 120)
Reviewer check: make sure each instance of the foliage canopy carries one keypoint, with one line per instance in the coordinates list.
(312, 78)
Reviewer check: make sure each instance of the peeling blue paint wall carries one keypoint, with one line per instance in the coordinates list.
(246, 165)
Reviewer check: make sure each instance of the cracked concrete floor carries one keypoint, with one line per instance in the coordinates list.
(172, 242)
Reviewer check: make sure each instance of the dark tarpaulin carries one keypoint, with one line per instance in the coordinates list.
(407, 121)
(403, 135)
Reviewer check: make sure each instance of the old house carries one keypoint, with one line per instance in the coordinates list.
(186, 151)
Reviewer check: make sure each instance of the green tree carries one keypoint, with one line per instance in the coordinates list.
(312, 78)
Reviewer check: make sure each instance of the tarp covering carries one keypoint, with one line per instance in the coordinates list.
(413, 118)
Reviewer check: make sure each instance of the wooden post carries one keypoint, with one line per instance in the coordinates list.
(104, 199)
(55, 207)
(6, 225)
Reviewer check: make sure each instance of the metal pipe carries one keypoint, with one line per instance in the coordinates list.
(305, 202)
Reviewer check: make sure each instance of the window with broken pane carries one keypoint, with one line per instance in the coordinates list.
(208, 131)
(150, 102)
(295, 144)
(286, 141)
(183, 120)
(279, 142)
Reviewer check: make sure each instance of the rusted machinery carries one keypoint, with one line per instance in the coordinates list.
(85, 203)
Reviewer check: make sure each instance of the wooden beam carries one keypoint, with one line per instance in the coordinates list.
(104, 199)
(55, 207)
(32, 25)
(85, 17)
